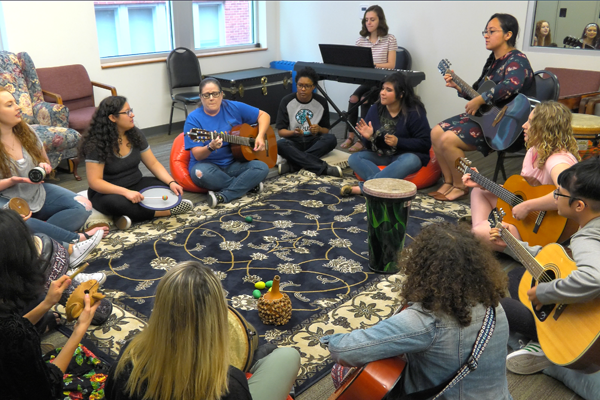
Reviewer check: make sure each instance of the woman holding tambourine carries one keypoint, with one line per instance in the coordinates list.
(113, 148)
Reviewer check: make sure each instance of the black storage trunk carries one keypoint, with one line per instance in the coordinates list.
(262, 88)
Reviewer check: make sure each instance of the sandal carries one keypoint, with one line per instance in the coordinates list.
(442, 197)
(433, 194)
(356, 147)
(347, 143)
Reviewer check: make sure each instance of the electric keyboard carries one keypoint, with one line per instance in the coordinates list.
(358, 75)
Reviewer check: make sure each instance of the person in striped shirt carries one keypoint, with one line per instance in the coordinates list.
(374, 34)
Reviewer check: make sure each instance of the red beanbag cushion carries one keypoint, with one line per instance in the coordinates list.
(425, 177)
(179, 162)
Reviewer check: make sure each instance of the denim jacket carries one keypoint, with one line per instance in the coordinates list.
(435, 348)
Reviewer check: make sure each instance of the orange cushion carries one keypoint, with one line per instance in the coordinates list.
(425, 177)
(179, 162)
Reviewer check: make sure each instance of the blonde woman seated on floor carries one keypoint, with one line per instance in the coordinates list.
(183, 352)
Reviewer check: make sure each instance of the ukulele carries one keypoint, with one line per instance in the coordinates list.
(501, 127)
(539, 227)
(242, 139)
(568, 333)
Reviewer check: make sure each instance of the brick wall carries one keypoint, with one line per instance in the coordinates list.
(237, 22)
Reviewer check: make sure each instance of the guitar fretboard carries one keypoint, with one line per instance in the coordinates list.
(206, 135)
(464, 86)
(528, 261)
(506, 195)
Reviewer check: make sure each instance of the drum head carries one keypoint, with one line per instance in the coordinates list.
(390, 188)
(240, 352)
(159, 198)
(19, 205)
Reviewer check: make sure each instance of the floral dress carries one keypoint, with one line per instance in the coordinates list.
(512, 74)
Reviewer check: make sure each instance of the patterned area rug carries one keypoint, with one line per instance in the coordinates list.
(301, 230)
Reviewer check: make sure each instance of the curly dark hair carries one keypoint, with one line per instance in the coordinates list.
(102, 135)
(449, 270)
(308, 72)
(21, 277)
(404, 93)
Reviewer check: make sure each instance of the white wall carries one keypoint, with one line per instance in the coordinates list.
(59, 33)
(64, 32)
(431, 31)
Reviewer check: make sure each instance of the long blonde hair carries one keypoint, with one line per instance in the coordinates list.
(29, 141)
(551, 131)
(183, 352)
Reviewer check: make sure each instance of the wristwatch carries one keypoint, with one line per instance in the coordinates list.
(210, 148)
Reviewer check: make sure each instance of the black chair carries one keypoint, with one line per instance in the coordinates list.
(545, 89)
(183, 70)
(403, 59)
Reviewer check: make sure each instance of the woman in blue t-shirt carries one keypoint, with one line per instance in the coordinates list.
(113, 148)
(212, 165)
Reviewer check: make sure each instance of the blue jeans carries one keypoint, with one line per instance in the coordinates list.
(232, 181)
(60, 216)
(366, 162)
(307, 152)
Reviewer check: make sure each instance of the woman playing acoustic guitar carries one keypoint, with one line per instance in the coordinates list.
(211, 163)
(551, 148)
(510, 70)
(452, 279)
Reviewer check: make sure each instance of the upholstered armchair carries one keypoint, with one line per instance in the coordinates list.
(49, 121)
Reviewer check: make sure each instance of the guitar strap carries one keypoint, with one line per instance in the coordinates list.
(483, 338)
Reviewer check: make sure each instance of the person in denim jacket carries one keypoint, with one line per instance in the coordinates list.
(451, 278)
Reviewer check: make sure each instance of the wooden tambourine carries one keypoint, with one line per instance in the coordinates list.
(19, 205)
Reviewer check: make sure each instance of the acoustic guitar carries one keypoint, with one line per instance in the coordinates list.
(372, 381)
(242, 139)
(572, 41)
(568, 333)
(539, 227)
(501, 127)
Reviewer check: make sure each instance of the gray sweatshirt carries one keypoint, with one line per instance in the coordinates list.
(583, 284)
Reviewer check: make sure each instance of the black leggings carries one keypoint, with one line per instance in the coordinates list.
(519, 317)
(116, 205)
(364, 108)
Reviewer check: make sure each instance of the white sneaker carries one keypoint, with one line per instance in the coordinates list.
(528, 360)
(80, 278)
(82, 249)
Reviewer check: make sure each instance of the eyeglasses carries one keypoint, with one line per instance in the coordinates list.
(303, 86)
(557, 195)
(209, 95)
(490, 32)
(128, 112)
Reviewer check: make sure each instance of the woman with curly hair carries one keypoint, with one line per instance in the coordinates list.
(551, 148)
(184, 351)
(54, 211)
(113, 148)
(451, 281)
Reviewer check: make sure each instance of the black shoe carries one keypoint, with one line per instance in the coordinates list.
(334, 170)
(215, 199)
(258, 189)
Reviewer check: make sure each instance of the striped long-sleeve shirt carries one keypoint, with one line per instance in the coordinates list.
(381, 48)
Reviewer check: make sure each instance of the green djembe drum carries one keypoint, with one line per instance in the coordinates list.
(388, 204)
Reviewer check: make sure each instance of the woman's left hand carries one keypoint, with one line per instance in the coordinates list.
(176, 188)
(47, 167)
(473, 105)
(520, 211)
(391, 140)
(259, 143)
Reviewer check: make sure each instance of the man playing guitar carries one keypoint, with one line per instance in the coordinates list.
(577, 198)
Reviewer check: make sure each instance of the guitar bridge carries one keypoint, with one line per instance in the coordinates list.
(538, 221)
(559, 310)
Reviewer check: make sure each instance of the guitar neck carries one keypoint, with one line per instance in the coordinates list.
(496, 189)
(528, 261)
(464, 86)
(244, 141)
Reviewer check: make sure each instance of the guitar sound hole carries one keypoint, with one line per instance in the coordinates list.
(518, 200)
(546, 309)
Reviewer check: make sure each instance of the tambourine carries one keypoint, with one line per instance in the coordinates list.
(19, 205)
(159, 198)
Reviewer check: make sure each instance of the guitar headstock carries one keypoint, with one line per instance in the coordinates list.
(495, 218)
(200, 135)
(572, 41)
(463, 164)
(444, 66)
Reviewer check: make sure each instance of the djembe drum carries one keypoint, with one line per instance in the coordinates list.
(586, 129)
(388, 204)
(243, 340)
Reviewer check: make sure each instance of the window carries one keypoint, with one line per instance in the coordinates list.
(130, 28)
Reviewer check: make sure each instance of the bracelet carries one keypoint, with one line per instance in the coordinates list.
(210, 148)
(169, 184)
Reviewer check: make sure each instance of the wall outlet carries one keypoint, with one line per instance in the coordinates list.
(363, 8)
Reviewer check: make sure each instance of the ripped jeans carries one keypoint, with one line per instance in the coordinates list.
(60, 216)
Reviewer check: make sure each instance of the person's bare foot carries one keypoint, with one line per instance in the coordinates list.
(455, 193)
(444, 189)
(92, 231)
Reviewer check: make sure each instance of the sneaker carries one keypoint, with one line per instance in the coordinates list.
(214, 199)
(80, 278)
(184, 207)
(257, 189)
(529, 360)
(123, 222)
(82, 249)
(346, 191)
(334, 170)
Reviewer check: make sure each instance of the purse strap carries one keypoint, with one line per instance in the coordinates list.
(483, 338)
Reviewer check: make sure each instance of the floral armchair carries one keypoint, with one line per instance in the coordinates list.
(49, 121)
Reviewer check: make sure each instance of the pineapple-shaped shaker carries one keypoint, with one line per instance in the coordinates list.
(274, 307)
